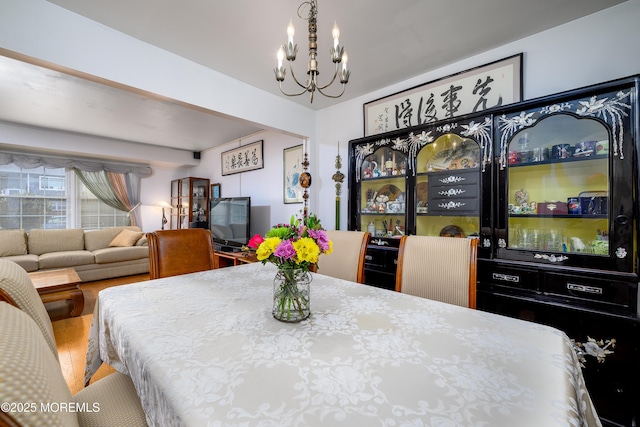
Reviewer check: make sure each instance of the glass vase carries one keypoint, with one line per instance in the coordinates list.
(291, 295)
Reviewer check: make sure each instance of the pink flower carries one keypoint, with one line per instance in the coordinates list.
(285, 250)
(255, 241)
(321, 237)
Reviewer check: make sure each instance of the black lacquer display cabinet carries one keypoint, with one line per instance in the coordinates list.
(425, 180)
(550, 187)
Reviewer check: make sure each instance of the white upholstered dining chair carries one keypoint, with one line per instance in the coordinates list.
(348, 256)
(31, 375)
(438, 268)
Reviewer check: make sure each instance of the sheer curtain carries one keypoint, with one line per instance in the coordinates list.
(120, 191)
(127, 188)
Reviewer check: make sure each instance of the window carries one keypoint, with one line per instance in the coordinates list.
(41, 198)
(96, 214)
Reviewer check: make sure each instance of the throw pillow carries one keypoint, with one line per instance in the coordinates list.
(12, 242)
(126, 238)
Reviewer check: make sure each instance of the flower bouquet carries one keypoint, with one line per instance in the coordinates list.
(294, 249)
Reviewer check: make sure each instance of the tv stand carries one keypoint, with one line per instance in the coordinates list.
(227, 248)
(230, 259)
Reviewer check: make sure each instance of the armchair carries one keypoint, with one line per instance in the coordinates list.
(31, 375)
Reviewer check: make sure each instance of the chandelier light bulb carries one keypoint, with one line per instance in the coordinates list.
(290, 31)
(280, 56)
(345, 59)
(335, 33)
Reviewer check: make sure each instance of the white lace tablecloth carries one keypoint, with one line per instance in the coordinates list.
(204, 350)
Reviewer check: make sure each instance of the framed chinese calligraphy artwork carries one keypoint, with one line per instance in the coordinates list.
(243, 159)
(491, 85)
(292, 162)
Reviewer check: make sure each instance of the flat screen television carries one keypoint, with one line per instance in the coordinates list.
(229, 222)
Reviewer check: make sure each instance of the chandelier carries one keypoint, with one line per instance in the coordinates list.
(338, 56)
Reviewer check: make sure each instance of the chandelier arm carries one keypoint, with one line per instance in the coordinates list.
(333, 96)
(291, 94)
(293, 74)
(335, 74)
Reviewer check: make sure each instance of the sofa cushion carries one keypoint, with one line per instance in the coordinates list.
(99, 239)
(142, 241)
(107, 255)
(126, 238)
(65, 259)
(29, 261)
(45, 241)
(13, 242)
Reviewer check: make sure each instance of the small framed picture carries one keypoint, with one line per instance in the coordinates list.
(215, 191)
(292, 160)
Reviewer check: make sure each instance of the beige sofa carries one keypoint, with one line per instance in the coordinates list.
(94, 254)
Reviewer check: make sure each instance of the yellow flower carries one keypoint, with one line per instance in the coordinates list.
(328, 251)
(266, 248)
(306, 250)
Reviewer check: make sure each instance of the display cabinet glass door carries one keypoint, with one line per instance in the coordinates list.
(565, 195)
(447, 192)
(190, 203)
(559, 187)
(382, 198)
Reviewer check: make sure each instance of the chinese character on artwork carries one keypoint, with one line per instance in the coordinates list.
(243, 159)
(475, 90)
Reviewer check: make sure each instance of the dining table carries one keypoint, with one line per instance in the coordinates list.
(203, 349)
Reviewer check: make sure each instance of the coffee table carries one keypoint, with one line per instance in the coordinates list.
(59, 285)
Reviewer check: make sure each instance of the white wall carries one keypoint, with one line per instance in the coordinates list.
(590, 50)
(155, 190)
(264, 186)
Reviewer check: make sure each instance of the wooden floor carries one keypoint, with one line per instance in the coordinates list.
(72, 334)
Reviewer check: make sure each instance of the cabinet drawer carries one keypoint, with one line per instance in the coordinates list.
(520, 278)
(588, 289)
(454, 191)
(453, 206)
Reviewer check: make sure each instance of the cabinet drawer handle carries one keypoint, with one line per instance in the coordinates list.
(506, 277)
(452, 192)
(452, 179)
(451, 205)
(584, 288)
(368, 257)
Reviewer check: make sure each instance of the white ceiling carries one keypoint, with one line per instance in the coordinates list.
(387, 42)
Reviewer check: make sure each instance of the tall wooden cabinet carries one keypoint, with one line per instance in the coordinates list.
(550, 187)
(189, 203)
